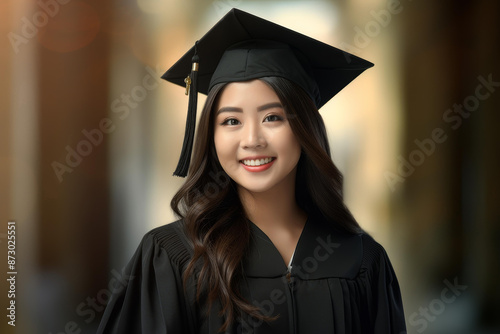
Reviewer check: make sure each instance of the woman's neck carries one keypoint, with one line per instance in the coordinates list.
(277, 214)
(275, 208)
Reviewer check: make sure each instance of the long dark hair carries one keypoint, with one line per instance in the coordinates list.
(214, 216)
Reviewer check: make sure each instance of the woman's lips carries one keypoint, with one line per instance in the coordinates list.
(260, 165)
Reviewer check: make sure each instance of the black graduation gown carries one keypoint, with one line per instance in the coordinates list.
(339, 283)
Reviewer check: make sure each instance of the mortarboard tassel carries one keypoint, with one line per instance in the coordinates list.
(191, 90)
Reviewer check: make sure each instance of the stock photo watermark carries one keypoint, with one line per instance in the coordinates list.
(324, 249)
(121, 107)
(452, 117)
(437, 306)
(30, 26)
(364, 35)
(11, 273)
(94, 305)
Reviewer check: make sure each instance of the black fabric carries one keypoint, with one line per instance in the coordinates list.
(339, 283)
(332, 69)
(255, 59)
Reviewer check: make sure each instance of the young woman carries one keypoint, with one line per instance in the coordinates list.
(264, 243)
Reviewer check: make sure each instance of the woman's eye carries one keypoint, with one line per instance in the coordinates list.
(273, 118)
(230, 121)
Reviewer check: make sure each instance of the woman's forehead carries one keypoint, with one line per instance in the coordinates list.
(253, 93)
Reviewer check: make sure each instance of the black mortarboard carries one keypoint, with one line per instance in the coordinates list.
(242, 47)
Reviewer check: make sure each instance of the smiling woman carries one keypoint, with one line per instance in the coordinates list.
(254, 142)
(273, 249)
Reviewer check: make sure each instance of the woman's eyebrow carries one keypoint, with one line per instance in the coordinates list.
(270, 106)
(229, 109)
(260, 108)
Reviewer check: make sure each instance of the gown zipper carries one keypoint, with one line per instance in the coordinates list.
(290, 283)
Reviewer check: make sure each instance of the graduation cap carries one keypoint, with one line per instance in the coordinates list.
(243, 47)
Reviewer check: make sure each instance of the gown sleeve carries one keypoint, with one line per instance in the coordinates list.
(382, 290)
(149, 296)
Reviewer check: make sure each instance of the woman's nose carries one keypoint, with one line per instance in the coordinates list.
(252, 136)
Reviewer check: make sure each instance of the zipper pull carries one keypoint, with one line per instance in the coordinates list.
(289, 277)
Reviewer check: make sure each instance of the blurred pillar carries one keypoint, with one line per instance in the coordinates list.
(73, 68)
(451, 204)
(6, 153)
(481, 162)
(19, 158)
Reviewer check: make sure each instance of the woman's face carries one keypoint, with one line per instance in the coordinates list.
(253, 139)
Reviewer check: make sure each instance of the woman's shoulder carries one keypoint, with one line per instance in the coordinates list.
(375, 257)
(363, 250)
(351, 255)
(164, 231)
(170, 238)
(371, 247)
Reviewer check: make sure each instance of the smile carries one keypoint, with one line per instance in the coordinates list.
(257, 165)
(257, 162)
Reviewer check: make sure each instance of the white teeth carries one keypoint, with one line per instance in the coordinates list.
(257, 162)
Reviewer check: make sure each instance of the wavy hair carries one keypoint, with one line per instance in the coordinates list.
(214, 217)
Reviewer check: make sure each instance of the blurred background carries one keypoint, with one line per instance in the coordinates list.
(90, 136)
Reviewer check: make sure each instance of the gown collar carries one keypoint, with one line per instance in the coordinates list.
(322, 251)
